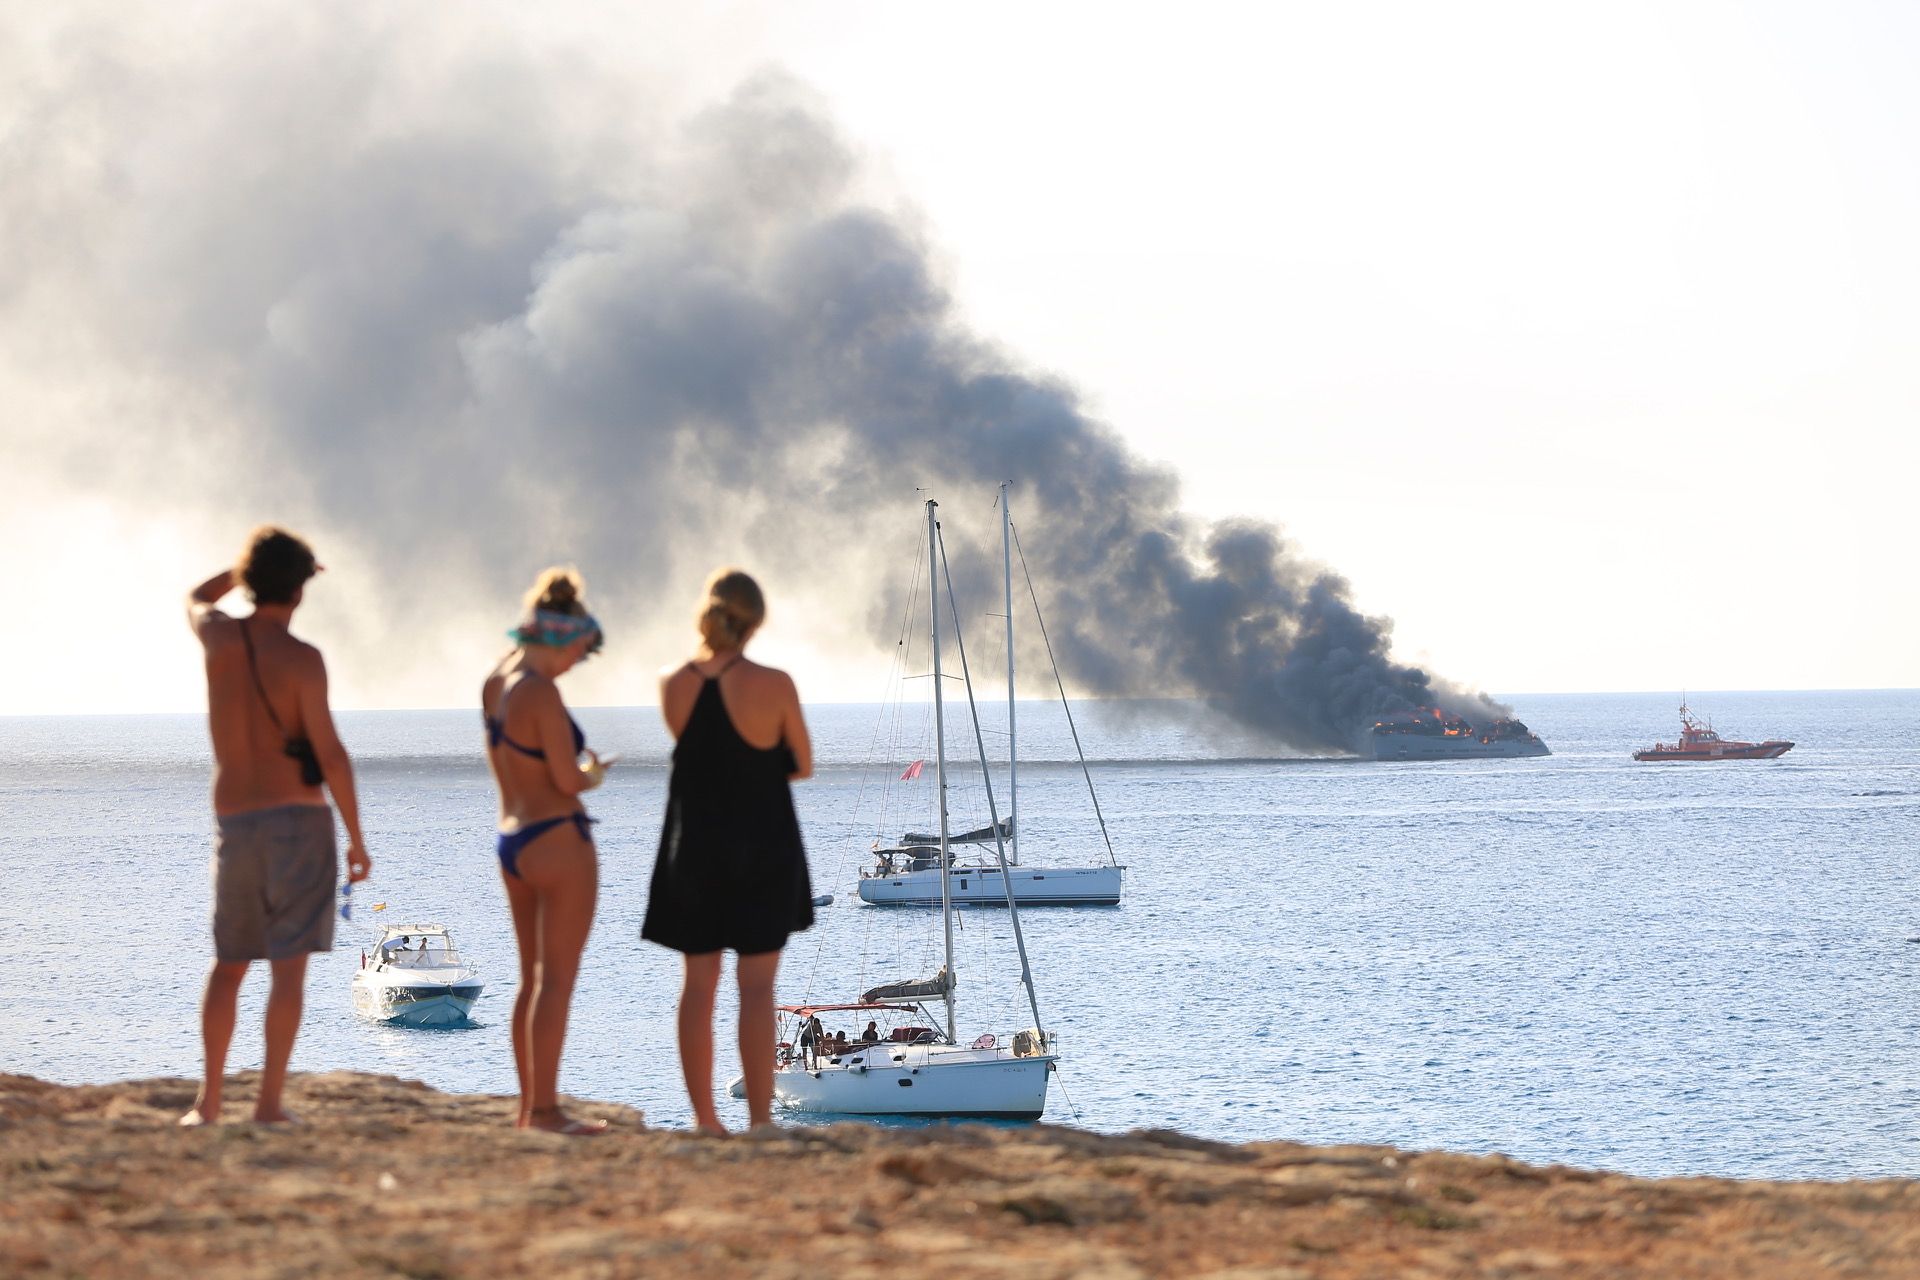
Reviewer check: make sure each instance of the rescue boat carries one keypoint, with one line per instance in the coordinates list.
(1699, 742)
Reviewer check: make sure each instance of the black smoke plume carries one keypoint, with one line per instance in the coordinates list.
(477, 308)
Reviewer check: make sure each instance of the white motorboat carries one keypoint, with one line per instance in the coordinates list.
(917, 1065)
(415, 977)
(908, 873)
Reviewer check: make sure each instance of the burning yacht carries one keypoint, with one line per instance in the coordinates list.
(1432, 734)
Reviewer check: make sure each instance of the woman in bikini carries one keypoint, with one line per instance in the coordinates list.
(541, 765)
(731, 872)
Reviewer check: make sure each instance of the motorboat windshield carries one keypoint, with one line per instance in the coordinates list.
(418, 948)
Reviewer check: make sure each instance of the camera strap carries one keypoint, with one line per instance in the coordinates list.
(253, 666)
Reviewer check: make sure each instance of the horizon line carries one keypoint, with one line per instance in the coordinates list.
(1085, 698)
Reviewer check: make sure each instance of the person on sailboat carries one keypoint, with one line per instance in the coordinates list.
(811, 1033)
(731, 873)
(547, 860)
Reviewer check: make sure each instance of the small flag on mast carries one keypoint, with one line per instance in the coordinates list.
(913, 771)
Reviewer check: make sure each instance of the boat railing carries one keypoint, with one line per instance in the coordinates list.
(1024, 1043)
(430, 959)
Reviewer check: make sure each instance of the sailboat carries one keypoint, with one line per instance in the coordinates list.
(916, 1064)
(907, 874)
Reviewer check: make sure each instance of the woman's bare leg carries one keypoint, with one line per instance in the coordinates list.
(524, 903)
(755, 975)
(566, 877)
(700, 979)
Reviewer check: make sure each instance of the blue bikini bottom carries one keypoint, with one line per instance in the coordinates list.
(512, 842)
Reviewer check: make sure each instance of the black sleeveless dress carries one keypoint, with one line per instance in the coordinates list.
(731, 873)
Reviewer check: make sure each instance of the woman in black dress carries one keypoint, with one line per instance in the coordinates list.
(731, 873)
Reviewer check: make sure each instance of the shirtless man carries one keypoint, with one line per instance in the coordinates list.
(274, 863)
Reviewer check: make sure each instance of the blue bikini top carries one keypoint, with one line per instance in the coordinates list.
(497, 734)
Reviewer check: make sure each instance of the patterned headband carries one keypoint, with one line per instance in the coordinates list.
(556, 630)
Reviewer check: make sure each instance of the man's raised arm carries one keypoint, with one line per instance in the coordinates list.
(204, 600)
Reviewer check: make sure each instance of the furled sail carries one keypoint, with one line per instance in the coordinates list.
(938, 985)
(979, 835)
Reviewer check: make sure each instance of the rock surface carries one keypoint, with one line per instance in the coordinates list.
(390, 1178)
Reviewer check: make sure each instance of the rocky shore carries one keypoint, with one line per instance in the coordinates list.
(391, 1178)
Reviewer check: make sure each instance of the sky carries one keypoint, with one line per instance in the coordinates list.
(1578, 340)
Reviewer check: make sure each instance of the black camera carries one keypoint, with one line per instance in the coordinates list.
(302, 750)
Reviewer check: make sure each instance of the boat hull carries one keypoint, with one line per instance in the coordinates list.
(983, 887)
(929, 1081)
(1408, 746)
(435, 1006)
(1718, 751)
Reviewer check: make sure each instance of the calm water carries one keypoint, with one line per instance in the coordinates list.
(1660, 969)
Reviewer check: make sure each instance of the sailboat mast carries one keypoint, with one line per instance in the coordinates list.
(1013, 754)
(940, 751)
(993, 810)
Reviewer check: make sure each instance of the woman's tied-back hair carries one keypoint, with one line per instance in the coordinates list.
(275, 565)
(731, 608)
(559, 590)
(557, 612)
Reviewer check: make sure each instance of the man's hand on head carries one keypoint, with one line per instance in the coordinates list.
(203, 601)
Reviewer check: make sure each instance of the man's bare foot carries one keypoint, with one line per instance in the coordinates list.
(554, 1120)
(198, 1118)
(711, 1128)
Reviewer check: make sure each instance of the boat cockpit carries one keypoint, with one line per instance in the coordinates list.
(415, 950)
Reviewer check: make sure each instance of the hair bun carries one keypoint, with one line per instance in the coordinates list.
(558, 590)
(733, 609)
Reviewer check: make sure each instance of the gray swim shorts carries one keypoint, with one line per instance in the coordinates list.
(273, 878)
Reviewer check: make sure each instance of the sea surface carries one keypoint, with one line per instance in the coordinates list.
(1661, 969)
